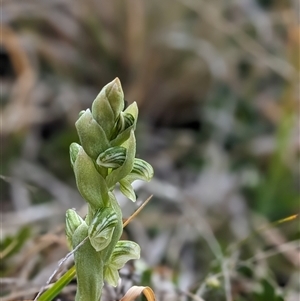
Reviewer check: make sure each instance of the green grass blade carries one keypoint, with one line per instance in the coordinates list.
(58, 286)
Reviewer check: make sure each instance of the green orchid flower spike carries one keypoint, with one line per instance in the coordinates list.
(104, 158)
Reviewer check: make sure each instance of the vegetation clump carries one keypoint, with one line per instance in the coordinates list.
(104, 158)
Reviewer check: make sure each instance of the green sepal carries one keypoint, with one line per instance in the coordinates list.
(124, 251)
(92, 137)
(90, 183)
(118, 174)
(74, 150)
(73, 221)
(113, 157)
(127, 190)
(108, 105)
(102, 228)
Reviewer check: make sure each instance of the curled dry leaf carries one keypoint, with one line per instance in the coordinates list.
(135, 291)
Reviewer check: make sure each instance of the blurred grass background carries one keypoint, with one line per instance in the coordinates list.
(217, 85)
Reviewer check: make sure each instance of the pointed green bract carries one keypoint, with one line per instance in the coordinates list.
(115, 95)
(108, 105)
(91, 185)
(92, 137)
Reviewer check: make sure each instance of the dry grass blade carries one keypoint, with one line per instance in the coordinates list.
(137, 212)
(136, 291)
(19, 112)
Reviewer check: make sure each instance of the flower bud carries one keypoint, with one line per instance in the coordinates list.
(108, 105)
(125, 123)
(141, 170)
(73, 221)
(113, 157)
(118, 174)
(102, 228)
(124, 250)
